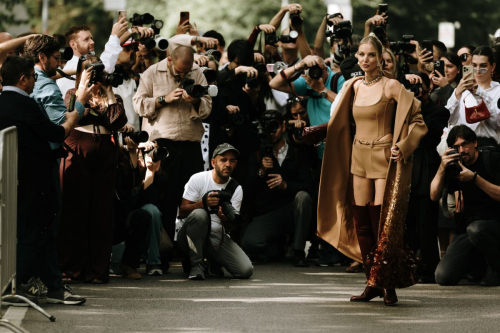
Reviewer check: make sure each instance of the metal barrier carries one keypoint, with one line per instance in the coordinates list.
(8, 223)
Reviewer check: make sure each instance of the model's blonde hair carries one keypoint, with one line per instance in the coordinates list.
(394, 61)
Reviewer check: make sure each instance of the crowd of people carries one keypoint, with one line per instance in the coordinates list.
(384, 155)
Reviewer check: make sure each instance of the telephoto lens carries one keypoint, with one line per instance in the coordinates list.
(137, 137)
(158, 154)
(315, 72)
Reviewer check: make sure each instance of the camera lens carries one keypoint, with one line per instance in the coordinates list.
(315, 72)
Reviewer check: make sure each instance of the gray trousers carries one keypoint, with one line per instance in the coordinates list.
(481, 241)
(294, 217)
(193, 239)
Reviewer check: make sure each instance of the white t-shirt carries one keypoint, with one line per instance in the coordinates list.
(127, 91)
(199, 184)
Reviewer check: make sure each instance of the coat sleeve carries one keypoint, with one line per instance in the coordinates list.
(416, 130)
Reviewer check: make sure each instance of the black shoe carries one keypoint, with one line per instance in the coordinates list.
(492, 278)
(300, 261)
(215, 269)
(34, 289)
(426, 280)
(197, 272)
(64, 295)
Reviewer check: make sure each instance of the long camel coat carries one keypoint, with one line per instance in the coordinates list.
(335, 223)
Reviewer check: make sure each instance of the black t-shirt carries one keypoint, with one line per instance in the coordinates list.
(479, 205)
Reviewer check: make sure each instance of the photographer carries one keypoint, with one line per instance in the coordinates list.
(473, 90)
(477, 176)
(422, 215)
(88, 178)
(318, 89)
(173, 119)
(203, 213)
(137, 217)
(445, 84)
(279, 185)
(37, 200)
(80, 39)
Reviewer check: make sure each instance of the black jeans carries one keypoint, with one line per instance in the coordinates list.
(294, 217)
(481, 241)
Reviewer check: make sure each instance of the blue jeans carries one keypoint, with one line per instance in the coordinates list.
(154, 236)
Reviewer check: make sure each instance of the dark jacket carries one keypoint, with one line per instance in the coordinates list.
(295, 171)
(37, 198)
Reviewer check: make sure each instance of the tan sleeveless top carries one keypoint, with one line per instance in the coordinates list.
(376, 120)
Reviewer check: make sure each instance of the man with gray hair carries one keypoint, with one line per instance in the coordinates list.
(173, 119)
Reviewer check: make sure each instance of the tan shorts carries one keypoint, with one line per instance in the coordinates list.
(370, 159)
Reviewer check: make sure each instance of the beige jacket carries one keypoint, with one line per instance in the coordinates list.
(177, 121)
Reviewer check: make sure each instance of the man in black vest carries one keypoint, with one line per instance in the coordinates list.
(37, 204)
(476, 245)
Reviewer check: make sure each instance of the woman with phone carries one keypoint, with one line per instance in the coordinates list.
(366, 184)
(88, 181)
(475, 89)
(445, 77)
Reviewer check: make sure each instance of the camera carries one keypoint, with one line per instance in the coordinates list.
(209, 73)
(253, 82)
(141, 19)
(295, 131)
(99, 75)
(66, 53)
(232, 120)
(197, 90)
(158, 42)
(295, 19)
(414, 88)
(137, 137)
(214, 53)
(403, 47)
(272, 39)
(315, 72)
(343, 30)
(226, 206)
(271, 124)
(453, 169)
(158, 154)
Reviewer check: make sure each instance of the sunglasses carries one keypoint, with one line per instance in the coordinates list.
(464, 56)
(35, 75)
(480, 70)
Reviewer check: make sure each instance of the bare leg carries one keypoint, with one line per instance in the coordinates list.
(363, 190)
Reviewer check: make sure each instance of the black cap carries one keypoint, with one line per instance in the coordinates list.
(222, 148)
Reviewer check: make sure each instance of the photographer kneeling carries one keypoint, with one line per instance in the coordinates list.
(477, 175)
(211, 202)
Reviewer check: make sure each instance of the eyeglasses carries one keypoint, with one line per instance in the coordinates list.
(464, 56)
(177, 74)
(35, 75)
(480, 70)
(56, 57)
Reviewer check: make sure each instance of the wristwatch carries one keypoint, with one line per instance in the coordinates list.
(161, 100)
(324, 93)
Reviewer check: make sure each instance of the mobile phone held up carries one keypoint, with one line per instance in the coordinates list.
(467, 70)
(383, 8)
(427, 44)
(122, 13)
(184, 17)
(439, 66)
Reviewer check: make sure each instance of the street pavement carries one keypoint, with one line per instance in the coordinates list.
(278, 298)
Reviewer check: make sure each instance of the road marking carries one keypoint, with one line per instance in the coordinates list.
(15, 315)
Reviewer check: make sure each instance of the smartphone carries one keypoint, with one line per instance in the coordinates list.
(466, 70)
(383, 8)
(184, 17)
(427, 44)
(122, 13)
(439, 66)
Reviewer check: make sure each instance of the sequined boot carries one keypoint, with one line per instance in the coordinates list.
(390, 297)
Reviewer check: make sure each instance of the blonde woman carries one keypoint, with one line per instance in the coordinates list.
(365, 183)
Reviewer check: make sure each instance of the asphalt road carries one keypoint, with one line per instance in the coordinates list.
(279, 298)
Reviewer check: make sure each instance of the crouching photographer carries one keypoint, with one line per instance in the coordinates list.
(279, 183)
(210, 205)
(137, 217)
(476, 174)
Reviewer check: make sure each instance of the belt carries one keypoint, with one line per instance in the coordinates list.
(385, 143)
(90, 129)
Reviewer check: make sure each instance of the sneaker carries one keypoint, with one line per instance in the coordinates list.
(196, 272)
(64, 295)
(34, 289)
(331, 257)
(154, 270)
(492, 278)
(130, 272)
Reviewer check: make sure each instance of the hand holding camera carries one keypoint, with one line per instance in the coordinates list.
(120, 27)
(377, 20)
(294, 8)
(249, 71)
(275, 181)
(449, 162)
(174, 95)
(439, 79)
(85, 89)
(267, 163)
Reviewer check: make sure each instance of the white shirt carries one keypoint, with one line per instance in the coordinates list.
(199, 184)
(282, 153)
(109, 57)
(489, 128)
(127, 91)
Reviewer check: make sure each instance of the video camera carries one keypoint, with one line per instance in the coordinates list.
(272, 39)
(99, 75)
(197, 90)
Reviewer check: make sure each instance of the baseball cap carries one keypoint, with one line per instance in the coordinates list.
(224, 147)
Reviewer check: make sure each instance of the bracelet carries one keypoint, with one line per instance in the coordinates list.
(196, 39)
(283, 75)
(473, 180)
(295, 68)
